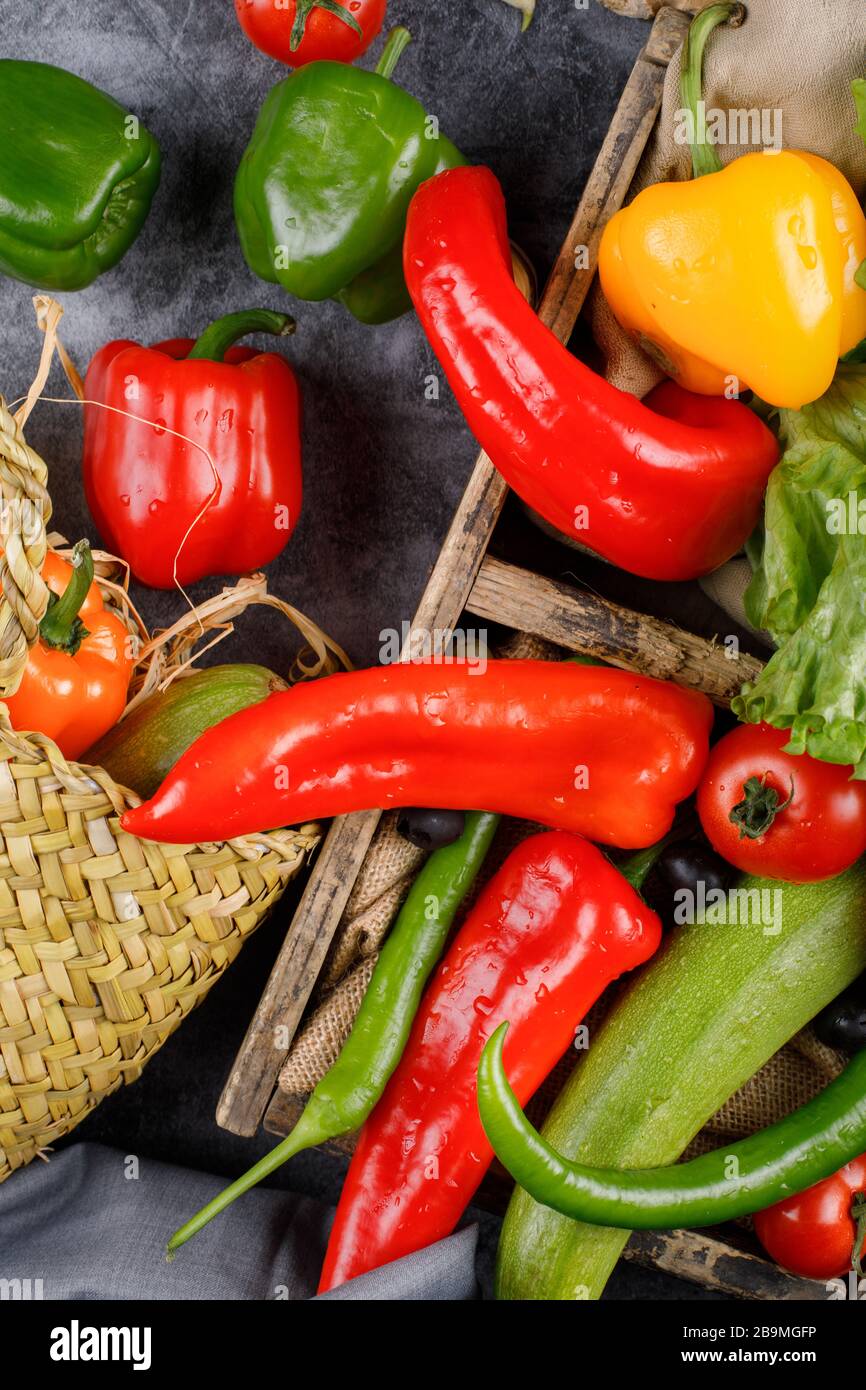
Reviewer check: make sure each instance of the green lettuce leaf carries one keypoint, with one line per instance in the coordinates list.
(858, 87)
(809, 587)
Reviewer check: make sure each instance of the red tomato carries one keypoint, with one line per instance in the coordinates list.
(813, 1234)
(303, 31)
(818, 834)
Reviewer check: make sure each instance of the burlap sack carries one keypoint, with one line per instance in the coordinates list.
(799, 56)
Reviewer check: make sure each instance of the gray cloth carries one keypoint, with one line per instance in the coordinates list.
(93, 1223)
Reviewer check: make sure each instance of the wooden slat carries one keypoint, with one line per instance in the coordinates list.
(714, 1264)
(612, 172)
(263, 1050)
(583, 622)
(256, 1067)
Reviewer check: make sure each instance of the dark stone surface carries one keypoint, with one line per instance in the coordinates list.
(383, 468)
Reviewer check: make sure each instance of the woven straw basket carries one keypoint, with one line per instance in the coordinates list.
(106, 941)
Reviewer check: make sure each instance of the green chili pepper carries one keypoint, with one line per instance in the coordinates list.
(322, 191)
(780, 1161)
(346, 1095)
(77, 175)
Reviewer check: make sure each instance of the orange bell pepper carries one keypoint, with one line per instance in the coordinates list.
(78, 671)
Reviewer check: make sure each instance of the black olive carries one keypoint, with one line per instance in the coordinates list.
(843, 1023)
(431, 829)
(682, 868)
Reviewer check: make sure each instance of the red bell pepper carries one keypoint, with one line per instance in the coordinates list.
(549, 933)
(819, 1232)
(586, 748)
(668, 488)
(225, 498)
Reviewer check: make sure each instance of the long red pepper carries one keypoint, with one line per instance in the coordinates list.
(551, 930)
(668, 488)
(603, 752)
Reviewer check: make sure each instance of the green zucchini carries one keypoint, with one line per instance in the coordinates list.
(707, 1012)
(140, 750)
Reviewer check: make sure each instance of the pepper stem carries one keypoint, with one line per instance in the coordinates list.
(215, 341)
(61, 626)
(704, 157)
(303, 9)
(636, 868)
(858, 1212)
(395, 44)
(527, 9)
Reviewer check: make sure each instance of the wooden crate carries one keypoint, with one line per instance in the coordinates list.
(465, 579)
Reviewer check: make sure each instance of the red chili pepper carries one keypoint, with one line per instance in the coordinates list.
(549, 933)
(814, 1234)
(668, 488)
(225, 503)
(586, 748)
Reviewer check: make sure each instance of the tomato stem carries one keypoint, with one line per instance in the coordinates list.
(303, 9)
(759, 807)
(395, 44)
(636, 868)
(215, 341)
(61, 626)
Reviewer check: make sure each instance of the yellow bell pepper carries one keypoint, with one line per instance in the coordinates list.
(742, 278)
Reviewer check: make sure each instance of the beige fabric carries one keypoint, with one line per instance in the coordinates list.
(388, 869)
(727, 587)
(320, 1042)
(796, 55)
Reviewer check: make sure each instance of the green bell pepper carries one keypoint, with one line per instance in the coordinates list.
(77, 175)
(324, 186)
